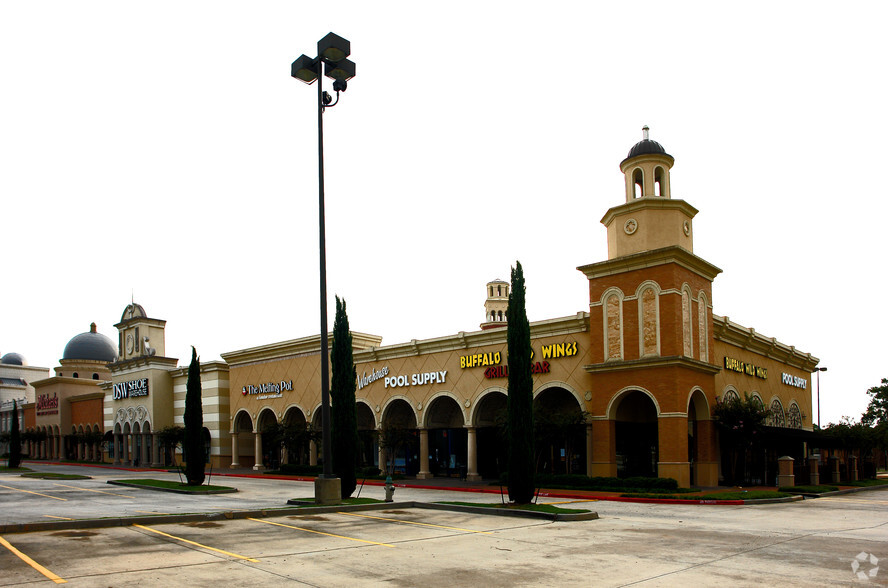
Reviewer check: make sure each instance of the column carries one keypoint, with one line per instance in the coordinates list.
(382, 465)
(814, 470)
(604, 452)
(235, 456)
(145, 458)
(472, 474)
(257, 451)
(589, 463)
(672, 447)
(127, 449)
(117, 445)
(852, 468)
(312, 453)
(785, 475)
(424, 472)
(155, 451)
(707, 454)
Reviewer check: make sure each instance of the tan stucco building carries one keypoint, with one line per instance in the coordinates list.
(626, 388)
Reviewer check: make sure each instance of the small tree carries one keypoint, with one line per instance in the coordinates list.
(169, 438)
(193, 443)
(344, 417)
(741, 423)
(520, 399)
(392, 438)
(15, 440)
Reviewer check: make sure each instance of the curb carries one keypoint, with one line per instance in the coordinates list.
(847, 491)
(275, 512)
(175, 490)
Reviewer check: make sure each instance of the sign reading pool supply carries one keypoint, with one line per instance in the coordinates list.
(416, 379)
(131, 389)
(795, 381)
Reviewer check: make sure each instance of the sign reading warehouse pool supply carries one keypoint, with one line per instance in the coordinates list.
(416, 379)
(131, 389)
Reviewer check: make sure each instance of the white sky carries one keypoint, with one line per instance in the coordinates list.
(162, 148)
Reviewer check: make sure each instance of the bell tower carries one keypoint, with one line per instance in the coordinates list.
(650, 218)
(496, 304)
(139, 336)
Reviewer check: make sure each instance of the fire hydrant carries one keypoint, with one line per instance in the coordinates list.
(389, 489)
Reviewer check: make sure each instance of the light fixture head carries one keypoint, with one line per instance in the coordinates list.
(333, 48)
(304, 69)
(343, 70)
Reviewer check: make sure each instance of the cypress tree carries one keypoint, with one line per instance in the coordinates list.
(343, 412)
(15, 440)
(192, 444)
(520, 399)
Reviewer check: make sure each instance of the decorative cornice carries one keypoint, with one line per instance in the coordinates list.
(747, 338)
(66, 380)
(647, 259)
(141, 361)
(646, 203)
(205, 368)
(140, 320)
(296, 347)
(577, 323)
(653, 362)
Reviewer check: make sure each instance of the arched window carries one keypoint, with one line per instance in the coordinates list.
(703, 327)
(613, 327)
(491, 291)
(730, 396)
(76, 375)
(795, 416)
(649, 313)
(638, 182)
(95, 376)
(499, 290)
(686, 330)
(659, 182)
(776, 418)
(757, 401)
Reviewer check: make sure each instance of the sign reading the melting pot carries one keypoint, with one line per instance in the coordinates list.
(268, 389)
(131, 389)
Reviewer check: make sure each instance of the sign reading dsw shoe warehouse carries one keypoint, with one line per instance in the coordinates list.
(131, 389)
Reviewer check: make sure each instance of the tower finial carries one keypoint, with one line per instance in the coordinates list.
(645, 130)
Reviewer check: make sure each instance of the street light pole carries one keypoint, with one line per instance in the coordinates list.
(818, 370)
(332, 51)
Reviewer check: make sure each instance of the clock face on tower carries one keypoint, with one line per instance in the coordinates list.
(129, 343)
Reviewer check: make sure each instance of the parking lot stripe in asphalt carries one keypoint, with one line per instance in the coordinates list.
(197, 544)
(55, 517)
(32, 563)
(354, 514)
(29, 492)
(319, 532)
(90, 490)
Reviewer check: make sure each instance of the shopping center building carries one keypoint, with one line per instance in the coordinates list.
(624, 388)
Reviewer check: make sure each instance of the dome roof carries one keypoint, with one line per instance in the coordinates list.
(133, 311)
(91, 346)
(646, 146)
(13, 359)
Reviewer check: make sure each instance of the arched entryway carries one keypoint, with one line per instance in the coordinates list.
(400, 438)
(637, 442)
(296, 437)
(368, 455)
(447, 438)
(489, 418)
(242, 441)
(268, 441)
(560, 432)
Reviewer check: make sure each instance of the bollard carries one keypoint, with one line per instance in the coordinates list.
(785, 476)
(814, 469)
(852, 468)
(389, 489)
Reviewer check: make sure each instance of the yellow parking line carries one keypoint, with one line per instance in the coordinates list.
(152, 512)
(54, 517)
(29, 492)
(90, 490)
(353, 514)
(31, 562)
(319, 532)
(197, 544)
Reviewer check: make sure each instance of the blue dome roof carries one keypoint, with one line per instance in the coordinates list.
(91, 346)
(13, 359)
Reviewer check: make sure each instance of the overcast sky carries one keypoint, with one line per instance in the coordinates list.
(161, 150)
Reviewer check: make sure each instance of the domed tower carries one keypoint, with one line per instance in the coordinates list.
(496, 304)
(650, 218)
(87, 355)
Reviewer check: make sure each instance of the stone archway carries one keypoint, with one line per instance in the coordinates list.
(637, 441)
(368, 455)
(488, 417)
(296, 442)
(445, 447)
(267, 442)
(242, 441)
(560, 425)
(400, 438)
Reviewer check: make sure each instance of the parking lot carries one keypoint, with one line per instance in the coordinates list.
(798, 544)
